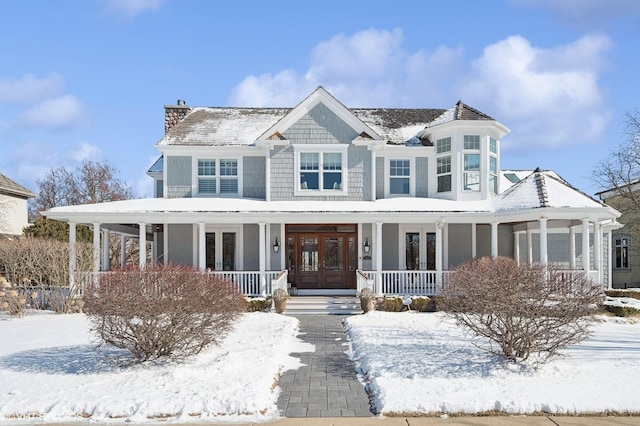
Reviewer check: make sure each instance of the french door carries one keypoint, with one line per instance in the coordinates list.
(221, 250)
(419, 250)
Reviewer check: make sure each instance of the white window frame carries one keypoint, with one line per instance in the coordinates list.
(388, 177)
(321, 149)
(217, 178)
(449, 173)
(617, 244)
(472, 151)
(493, 175)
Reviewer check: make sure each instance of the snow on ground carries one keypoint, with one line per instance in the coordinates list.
(414, 363)
(50, 370)
(424, 363)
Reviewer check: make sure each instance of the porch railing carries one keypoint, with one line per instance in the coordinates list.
(249, 282)
(416, 283)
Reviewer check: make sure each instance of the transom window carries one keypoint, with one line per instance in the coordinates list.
(443, 169)
(399, 177)
(443, 145)
(320, 171)
(621, 252)
(218, 176)
(472, 142)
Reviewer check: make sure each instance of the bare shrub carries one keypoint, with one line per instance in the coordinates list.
(13, 299)
(521, 309)
(163, 311)
(42, 266)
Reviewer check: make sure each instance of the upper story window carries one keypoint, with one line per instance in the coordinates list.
(493, 174)
(319, 170)
(471, 174)
(621, 252)
(443, 169)
(493, 146)
(472, 142)
(443, 145)
(399, 177)
(218, 177)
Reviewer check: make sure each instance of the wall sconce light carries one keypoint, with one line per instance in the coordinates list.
(276, 246)
(366, 247)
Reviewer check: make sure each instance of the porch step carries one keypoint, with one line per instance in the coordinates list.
(329, 305)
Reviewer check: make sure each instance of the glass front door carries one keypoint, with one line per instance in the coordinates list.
(420, 250)
(221, 250)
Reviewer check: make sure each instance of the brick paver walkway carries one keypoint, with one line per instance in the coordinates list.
(326, 386)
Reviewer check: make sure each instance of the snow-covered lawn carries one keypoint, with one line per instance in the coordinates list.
(423, 363)
(49, 370)
(414, 363)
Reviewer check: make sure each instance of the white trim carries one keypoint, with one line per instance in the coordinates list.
(321, 149)
(387, 176)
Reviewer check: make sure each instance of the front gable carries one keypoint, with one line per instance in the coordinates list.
(320, 118)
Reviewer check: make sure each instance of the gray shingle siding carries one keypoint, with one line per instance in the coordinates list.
(250, 247)
(320, 125)
(180, 244)
(422, 175)
(275, 257)
(178, 177)
(459, 239)
(390, 247)
(253, 179)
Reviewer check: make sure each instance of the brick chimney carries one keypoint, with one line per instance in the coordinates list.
(174, 113)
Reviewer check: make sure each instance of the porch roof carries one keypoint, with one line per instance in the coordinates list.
(523, 201)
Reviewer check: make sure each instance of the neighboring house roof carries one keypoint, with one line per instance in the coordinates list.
(9, 187)
(623, 188)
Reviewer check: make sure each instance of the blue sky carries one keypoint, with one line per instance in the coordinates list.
(89, 79)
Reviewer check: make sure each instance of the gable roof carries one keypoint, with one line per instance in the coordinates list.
(9, 187)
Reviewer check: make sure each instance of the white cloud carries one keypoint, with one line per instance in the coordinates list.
(85, 151)
(30, 88)
(370, 68)
(128, 9)
(55, 113)
(548, 97)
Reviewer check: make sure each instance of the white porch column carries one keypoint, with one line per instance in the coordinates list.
(543, 240)
(378, 246)
(202, 247)
(96, 249)
(494, 239)
(529, 246)
(106, 265)
(123, 251)
(439, 226)
(473, 241)
(585, 245)
(262, 256)
(516, 247)
(572, 248)
(142, 234)
(72, 255)
(597, 252)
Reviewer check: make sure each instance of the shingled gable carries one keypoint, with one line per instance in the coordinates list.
(9, 187)
(320, 96)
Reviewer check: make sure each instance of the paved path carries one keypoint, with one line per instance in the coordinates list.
(326, 386)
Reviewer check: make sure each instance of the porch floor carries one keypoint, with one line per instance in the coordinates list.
(326, 385)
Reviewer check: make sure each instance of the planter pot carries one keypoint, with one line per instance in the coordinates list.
(366, 305)
(280, 305)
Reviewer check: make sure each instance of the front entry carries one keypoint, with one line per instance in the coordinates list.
(322, 256)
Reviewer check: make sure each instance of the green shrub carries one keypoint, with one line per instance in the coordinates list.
(259, 304)
(634, 294)
(622, 311)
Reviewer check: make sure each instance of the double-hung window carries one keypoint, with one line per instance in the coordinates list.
(443, 164)
(218, 177)
(471, 169)
(621, 252)
(399, 177)
(493, 165)
(320, 171)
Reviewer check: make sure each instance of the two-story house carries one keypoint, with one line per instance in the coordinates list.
(329, 199)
